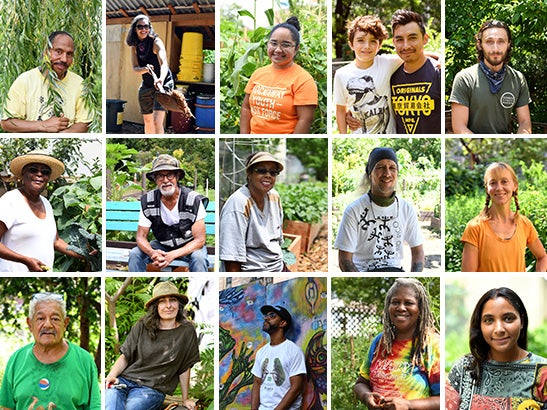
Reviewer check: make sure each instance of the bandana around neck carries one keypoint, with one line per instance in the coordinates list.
(381, 201)
(495, 79)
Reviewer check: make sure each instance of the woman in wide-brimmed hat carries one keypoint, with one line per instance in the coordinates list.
(157, 354)
(28, 234)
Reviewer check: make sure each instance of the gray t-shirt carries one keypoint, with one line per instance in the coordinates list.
(489, 113)
(251, 236)
(158, 363)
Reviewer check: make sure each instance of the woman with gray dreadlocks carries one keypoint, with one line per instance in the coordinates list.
(402, 368)
(496, 240)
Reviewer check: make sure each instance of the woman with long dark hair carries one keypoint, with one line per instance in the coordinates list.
(402, 368)
(500, 372)
(148, 56)
(157, 354)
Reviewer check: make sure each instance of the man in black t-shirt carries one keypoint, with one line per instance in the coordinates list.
(416, 85)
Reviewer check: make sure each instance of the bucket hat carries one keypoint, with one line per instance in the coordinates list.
(37, 157)
(165, 162)
(164, 289)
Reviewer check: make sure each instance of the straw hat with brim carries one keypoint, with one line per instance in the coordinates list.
(165, 162)
(164, 289)
(264, 157)
(37, 157)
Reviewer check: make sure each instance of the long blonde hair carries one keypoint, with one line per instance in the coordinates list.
(496, 167)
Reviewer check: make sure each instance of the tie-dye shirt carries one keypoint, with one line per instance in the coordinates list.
(395, 376)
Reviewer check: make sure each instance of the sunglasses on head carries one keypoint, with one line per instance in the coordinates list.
(44, 171)
(264, 171)
(143, 26)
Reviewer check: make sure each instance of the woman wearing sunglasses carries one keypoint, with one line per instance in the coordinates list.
(251, 220)
(28, 234)
(148, 54)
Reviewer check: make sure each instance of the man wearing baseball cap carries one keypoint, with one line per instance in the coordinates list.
(251, 221)
(279, 369)
(373, 228)
(176, 215)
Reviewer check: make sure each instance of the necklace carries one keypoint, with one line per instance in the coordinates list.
(384, 217)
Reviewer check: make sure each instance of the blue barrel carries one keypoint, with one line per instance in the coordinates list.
(205, 114)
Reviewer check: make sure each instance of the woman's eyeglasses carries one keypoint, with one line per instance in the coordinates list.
(44, 171)
(264, 171)
(143, 27)
(284, 45)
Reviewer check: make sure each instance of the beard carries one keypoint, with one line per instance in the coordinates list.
(496, 60)
(269, 328)
(168, 191)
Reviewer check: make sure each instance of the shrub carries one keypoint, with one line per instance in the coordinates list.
(305, 202)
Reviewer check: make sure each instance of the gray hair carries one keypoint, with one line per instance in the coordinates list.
(46, 297)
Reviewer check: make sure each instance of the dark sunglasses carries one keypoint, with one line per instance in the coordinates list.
(44, 171)
(264, 171)
(143, 27)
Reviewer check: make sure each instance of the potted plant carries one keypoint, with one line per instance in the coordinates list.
(305, 207)
(209, 66)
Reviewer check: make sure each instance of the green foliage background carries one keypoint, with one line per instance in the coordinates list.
(130, 308)
(25, 28)
(348, 352)
(419, 171)
(457, 327)
(244, 50)
(83, 300)
(527, 21)
(347, 10)
(75, 200)
(126, 156)
(464, 188)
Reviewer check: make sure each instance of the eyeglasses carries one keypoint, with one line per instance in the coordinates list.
(269, 315)
(170, 176)
(143, 27)
(47, 296)
(44, 171)
(264, 171)
(284, 45)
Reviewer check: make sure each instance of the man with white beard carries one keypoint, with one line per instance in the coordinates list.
(176, 215)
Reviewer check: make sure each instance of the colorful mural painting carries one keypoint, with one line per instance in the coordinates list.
(241, 336)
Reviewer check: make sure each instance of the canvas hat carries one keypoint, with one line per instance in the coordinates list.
(279, 311)
(37, 157)
(164, 289)
(165, 162)
(378, 154)
(262, 156)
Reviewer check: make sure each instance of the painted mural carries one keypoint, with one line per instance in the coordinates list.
(241, 336)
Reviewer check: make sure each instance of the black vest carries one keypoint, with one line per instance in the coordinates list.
(173, 236)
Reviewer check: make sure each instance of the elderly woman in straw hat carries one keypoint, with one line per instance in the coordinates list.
(28, 234)
(251, 220)
(157, 354)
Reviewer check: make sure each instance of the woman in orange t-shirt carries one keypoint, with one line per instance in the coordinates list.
(496, 240)
(281, 97)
